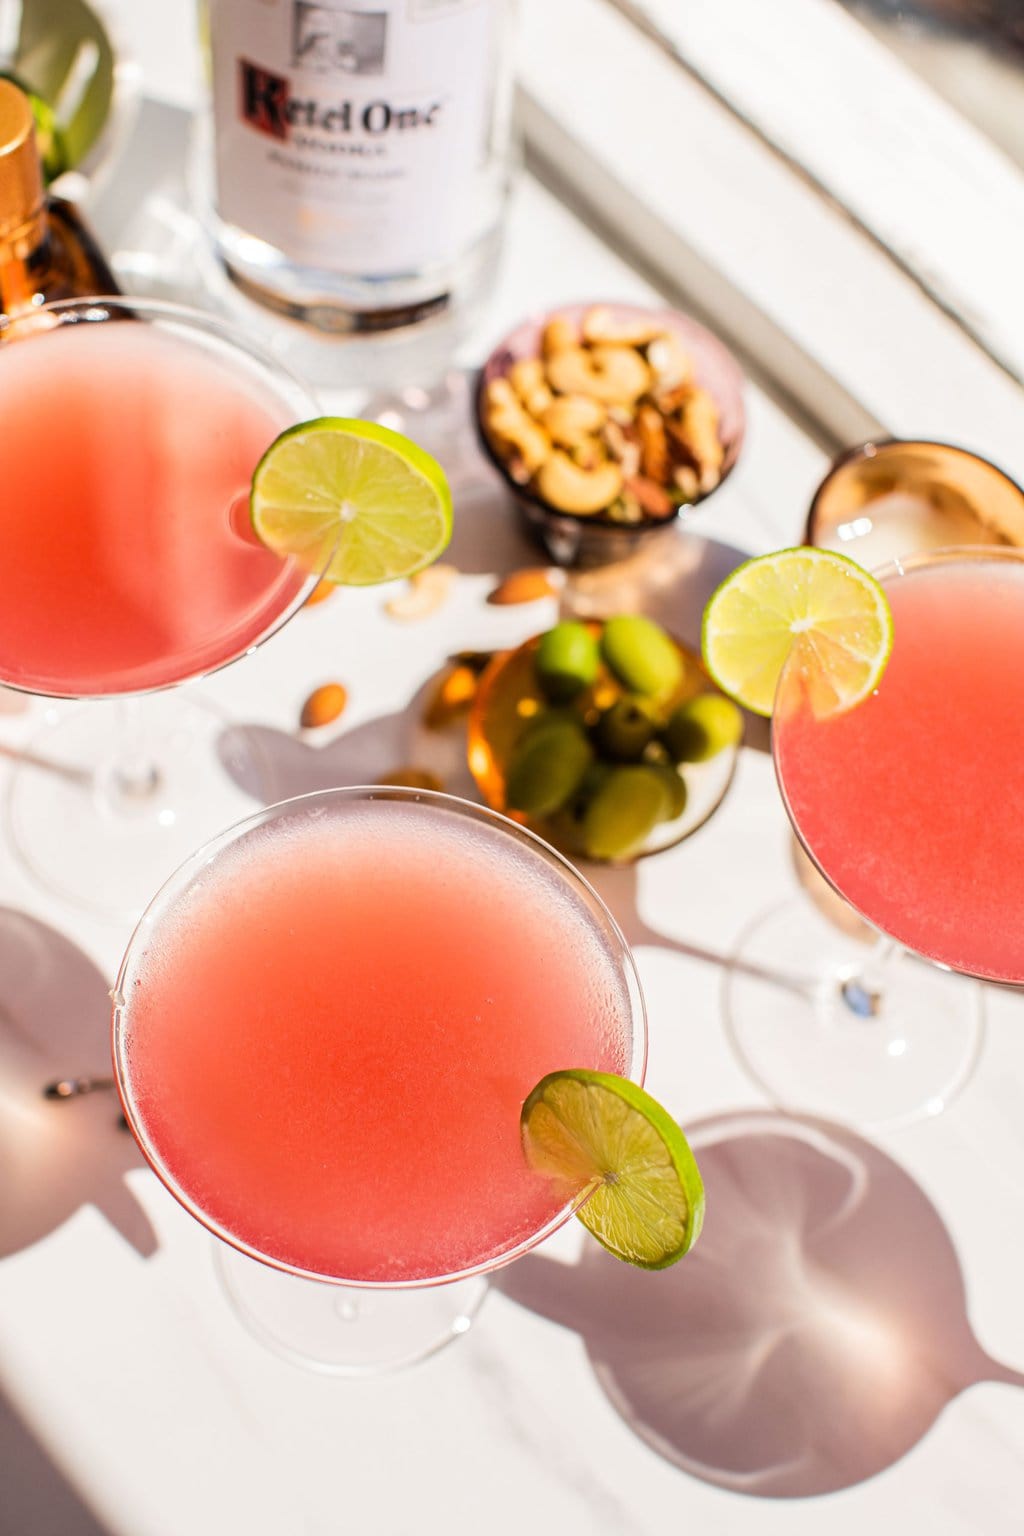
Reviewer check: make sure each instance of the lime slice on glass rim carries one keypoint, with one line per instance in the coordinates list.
(352, 501)
(603, 1140)
(822, 606)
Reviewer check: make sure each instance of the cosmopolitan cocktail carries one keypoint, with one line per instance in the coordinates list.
(328, 1022)
(128, 560)
(911, 804)
(130, 434)
(908, 804)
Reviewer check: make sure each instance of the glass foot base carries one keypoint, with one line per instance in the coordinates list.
(111, 796)
(811, 1048)
(344, 1330)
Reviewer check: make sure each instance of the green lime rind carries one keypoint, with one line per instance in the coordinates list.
(820, 605)
(605, 1142)
(351, 501)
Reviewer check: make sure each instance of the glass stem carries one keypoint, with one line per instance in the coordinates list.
(136, 775)
(863, 992)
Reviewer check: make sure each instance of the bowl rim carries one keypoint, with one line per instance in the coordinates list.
(870, 449)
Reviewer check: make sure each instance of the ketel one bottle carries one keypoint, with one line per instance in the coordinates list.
(359, 153)
(46, 252)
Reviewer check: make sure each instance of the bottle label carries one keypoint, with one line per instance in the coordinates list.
(351, 139)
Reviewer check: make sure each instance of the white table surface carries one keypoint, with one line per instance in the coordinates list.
(131, 1400)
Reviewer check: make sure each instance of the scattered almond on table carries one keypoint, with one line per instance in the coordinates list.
(320, 593)
(525, 586)
(323, 706)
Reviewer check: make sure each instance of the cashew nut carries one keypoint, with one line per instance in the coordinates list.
(569, 488)
(611, 374)
(570, 419)
(423, 593)
(601, 327)
(559, 335)
(670, 363)
(527, 379)
(506, 420)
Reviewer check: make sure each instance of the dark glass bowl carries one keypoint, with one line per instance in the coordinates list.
(573, 539)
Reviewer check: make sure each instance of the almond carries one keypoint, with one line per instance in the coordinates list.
(323, 705)
(320, 593)
(653, 498)
(654, 454)
(525, 586)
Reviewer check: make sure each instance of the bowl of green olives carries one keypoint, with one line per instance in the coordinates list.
(607, 738)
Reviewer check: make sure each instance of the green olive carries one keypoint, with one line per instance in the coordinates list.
(567, 660)
(642, 655)
(625, 729)
(565, 827)
(703, 727)
(624, 811)
(675, 787)
(547, 766)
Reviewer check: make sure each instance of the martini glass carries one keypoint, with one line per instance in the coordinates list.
(910, 807)
(131, 431)
(324, 1029)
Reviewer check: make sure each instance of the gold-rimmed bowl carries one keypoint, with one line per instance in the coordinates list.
(508, 701)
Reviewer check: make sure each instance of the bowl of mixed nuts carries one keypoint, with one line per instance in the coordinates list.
(608, 421)
(607, 738)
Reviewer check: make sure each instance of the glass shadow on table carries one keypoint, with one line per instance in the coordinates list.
(294, 763)
(38, 1500)
(57, 1156)
(810, 1340)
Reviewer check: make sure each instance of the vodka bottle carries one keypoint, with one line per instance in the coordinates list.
(359, 155)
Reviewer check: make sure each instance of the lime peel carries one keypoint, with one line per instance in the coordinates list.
(351, 501)
(817, 606)
(612, 1150)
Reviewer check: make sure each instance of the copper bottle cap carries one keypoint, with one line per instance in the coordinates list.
(21, 181)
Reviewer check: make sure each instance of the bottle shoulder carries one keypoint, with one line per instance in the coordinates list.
(65, 263)
(75, 254)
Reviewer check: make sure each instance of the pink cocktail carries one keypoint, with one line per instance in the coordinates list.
(911, 804)
(127, 559)
(908, 805)
(131, 431)
(327, 1024)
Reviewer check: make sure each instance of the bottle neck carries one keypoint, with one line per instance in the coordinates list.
(18, 242)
